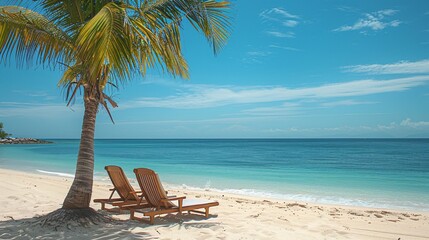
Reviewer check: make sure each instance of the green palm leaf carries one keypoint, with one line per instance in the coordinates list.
(106, 39)
(31, 36)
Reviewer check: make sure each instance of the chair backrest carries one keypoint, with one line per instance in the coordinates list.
(152, 188)
(121, 183)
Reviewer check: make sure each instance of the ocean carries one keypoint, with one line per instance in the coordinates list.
(382, 173)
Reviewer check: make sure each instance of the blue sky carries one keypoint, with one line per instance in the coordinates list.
(289, 70)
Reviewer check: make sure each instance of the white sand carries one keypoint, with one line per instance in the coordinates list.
(24, 196)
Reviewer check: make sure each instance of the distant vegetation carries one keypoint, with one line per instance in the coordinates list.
(3, 134)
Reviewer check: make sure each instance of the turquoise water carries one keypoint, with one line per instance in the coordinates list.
(387, 173)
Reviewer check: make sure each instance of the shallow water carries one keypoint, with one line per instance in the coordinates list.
(392, 173)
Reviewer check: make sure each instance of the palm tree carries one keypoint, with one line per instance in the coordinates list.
(3, 134)
(99, 44)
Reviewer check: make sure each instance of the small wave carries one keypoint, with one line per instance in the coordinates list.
(56, 173)
(335, 200)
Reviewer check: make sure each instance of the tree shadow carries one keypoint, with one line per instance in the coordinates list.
(26, 229)
(116, 229)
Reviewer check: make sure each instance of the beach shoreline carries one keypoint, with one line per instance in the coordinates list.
(221, 192)
(184, 188)
(238, 216)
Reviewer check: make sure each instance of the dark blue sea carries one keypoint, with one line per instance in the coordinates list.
(386, 173)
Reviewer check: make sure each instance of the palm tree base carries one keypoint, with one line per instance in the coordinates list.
(72, 218)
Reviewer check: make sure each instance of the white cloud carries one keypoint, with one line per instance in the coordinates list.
(345, 103)
(290, 23)
(277, 14)
(36, 94)
(374, 21)
(284, 48)
(281, 34)
(157, 79)
(259, 53)
(385, 12)
(409, 123)
(214, 96)
(285, 110)
(9, 109)
(255, 56)
(406, 125)
(231, 120)
(283, 18)
(402, 67)
(382, 127)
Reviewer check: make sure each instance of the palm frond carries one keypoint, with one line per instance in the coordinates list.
(159, 48)
(210, 18)
(105, 39)
(72, 14)
(69, 15)
(31, 37)
(206, 16)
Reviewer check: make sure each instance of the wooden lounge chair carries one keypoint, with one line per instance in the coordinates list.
(159, 203)
(127, 195)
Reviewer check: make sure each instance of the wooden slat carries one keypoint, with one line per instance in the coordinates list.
(121, 183)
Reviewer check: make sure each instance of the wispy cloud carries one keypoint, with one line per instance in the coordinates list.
(348, 9)
(290, 23)
(231, 120)
(278, 15)
(409, 123)
(283, 19)
(374, 21)
(406, 124)
(258, 53)
(286, 109)
(255, 56)
(214, 96)
(160, 80)
(12, 109)
(284, 48)
(36, 94)
(345, 103)
(402, 67)
(281, 34)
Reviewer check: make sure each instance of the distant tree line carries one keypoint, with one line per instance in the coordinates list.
(3, 134)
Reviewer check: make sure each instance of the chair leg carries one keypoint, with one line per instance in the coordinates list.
(207, 212)
(103, 206)
(132, 214)
(152, 218)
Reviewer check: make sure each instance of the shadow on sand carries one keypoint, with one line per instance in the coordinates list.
(117, 229)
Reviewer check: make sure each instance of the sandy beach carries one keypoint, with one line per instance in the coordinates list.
(26, 195)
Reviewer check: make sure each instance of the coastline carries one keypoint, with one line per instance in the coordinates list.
(10, 140)
(238, 216)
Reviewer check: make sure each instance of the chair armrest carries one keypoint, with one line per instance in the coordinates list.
(135, 192)
(112, 189)
(172, 199)
(179, 199)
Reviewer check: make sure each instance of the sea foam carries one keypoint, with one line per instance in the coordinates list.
(330, 200)
(56, 173)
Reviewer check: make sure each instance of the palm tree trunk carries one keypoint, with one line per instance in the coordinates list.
(79, 195)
